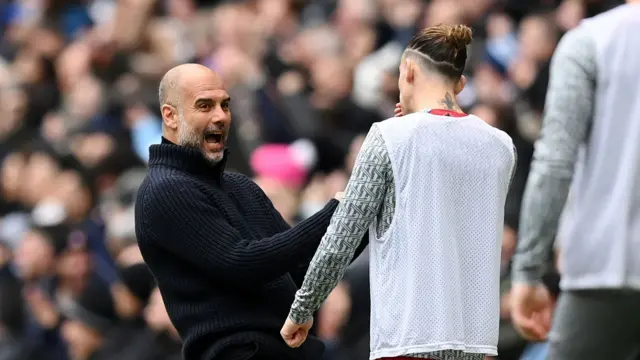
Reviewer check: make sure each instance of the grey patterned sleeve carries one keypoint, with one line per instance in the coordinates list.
(363, 198)
(566, 122)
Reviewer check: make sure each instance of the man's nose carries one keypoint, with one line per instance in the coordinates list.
(218, 117)
(218, 122)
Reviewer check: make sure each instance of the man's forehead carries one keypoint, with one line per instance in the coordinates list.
(208, 87)
(203, 83)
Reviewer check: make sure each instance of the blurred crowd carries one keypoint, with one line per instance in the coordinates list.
(79, 108)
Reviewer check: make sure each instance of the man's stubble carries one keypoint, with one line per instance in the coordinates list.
(188, 137)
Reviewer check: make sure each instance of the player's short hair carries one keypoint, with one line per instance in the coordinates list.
(441, 48)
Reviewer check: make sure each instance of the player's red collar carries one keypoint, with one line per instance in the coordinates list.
(445, 112)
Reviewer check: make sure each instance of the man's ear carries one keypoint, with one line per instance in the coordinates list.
(169, 116)
(410, 74)
(460, 84)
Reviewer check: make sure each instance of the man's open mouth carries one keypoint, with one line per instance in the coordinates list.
(214, 137)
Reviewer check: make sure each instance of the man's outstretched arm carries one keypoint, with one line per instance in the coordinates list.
(365, 192)
(300, 270)
(186, 224)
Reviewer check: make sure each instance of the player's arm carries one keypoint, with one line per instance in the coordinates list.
(298, 273)
(363, 198)
(567, 117)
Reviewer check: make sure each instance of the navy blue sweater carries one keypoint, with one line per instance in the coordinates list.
(226, 262)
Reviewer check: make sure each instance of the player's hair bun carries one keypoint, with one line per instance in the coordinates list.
(458, 36)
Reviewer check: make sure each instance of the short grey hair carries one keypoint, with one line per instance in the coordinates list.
(168, 89)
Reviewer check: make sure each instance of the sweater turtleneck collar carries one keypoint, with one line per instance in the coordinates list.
(185, 158)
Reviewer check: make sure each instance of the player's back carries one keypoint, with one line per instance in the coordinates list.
(442, 250)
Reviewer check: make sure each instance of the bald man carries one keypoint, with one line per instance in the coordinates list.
(226, 262)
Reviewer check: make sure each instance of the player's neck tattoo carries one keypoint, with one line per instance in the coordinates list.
(449, 103)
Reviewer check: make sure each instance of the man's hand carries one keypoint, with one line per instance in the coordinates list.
(531, 310)
(295, 334)
(339, 195)
(397, 112)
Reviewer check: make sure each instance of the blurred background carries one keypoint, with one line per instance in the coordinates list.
(79, 109)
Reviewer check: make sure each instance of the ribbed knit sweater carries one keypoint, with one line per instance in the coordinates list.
(227, 264)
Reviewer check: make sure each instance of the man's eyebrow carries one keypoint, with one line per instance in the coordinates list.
(211, 101)
(204, 100)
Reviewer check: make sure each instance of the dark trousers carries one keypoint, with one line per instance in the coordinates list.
(596, 325)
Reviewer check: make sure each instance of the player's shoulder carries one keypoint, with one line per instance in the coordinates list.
(403, 119)
(409, 118)
(500, 136)
(504, 138)
(403, 124)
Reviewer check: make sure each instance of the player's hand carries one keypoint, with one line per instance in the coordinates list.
(397, 112)
(339, 195)
(531, 310)
(295, 334)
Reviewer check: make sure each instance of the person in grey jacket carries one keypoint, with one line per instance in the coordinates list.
(590, 124)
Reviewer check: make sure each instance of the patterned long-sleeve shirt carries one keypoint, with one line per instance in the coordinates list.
(370, 193)
(567, 119)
